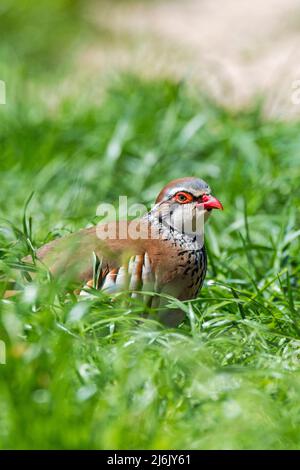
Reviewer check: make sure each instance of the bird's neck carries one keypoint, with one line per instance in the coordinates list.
(165, 231)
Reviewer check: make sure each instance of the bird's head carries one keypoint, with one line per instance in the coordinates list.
(185, 204)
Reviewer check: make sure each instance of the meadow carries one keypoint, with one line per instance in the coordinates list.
(92, 374)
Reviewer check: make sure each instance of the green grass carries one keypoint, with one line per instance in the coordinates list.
(89, 374)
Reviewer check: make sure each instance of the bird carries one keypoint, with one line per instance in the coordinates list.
(162, 252)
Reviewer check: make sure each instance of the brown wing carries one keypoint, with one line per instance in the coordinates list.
(71, 257)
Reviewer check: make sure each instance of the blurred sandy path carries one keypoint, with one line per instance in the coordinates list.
(237, 49)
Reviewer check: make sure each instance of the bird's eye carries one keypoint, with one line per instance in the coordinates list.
(183, 197)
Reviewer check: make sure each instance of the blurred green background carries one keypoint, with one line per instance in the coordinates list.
(86, 374)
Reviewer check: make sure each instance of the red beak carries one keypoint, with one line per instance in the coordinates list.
(211, 202)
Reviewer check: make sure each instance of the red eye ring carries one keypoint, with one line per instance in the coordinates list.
(183, 198)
